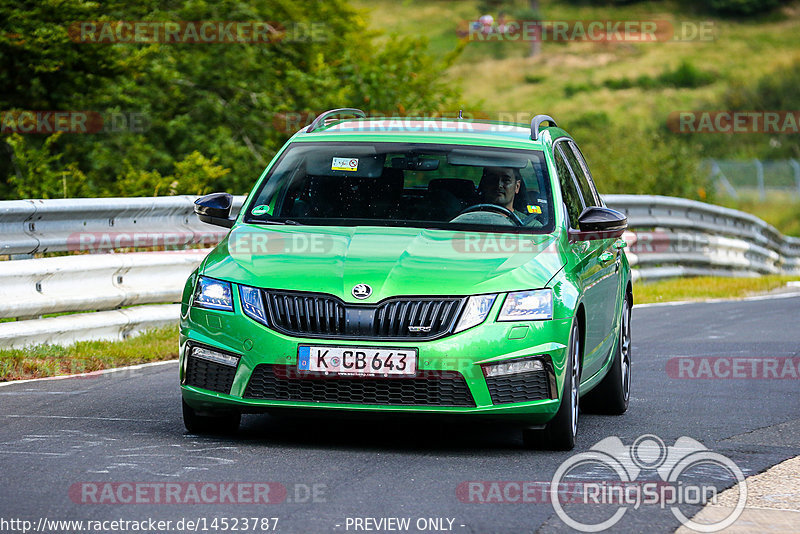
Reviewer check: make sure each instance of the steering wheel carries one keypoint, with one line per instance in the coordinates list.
(494, 208)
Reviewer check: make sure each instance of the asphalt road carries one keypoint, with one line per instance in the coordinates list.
(60, 437)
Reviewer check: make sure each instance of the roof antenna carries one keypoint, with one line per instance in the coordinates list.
(459, 113)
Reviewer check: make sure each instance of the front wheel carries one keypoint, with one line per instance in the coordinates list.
(226, 423)
(560, 433)
(612, 394)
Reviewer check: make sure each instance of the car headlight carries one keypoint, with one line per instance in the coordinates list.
(213, 294)
(475, 311)
(534, 305)
(252, 303)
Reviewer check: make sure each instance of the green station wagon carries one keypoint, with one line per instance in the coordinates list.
(437, 266)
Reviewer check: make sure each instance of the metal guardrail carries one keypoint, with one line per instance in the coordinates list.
(669, 237)
(93, 281)
(69, 329)
(101, 224)
(679, 237)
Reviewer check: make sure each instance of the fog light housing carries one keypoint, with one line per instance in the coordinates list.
(513, 367)
(211, 355)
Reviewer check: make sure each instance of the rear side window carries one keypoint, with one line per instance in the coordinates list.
(568, 190)
(587, 191)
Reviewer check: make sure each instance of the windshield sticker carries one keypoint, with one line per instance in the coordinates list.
(344, 164)
(534, 209)
(261, 210)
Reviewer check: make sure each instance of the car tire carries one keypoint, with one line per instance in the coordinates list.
(612, 395)
(560, 432)
(195, 423)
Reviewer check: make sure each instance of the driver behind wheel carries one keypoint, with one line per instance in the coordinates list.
(500, 185)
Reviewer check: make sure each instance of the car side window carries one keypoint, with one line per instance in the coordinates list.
(568, 190)
(585, 176)
(587, 191)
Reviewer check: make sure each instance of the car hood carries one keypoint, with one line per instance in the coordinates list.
(393, 261)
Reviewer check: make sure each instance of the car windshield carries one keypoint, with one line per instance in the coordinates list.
(407, 184)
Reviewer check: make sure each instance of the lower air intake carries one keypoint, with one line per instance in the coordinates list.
(431, 388)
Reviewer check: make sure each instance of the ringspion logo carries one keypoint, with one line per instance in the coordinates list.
(678, 466)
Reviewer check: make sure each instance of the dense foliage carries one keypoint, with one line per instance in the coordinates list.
(215, 113)
(723, 7)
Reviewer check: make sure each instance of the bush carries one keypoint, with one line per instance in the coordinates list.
(742, 7)
(572, 89)
(685, 75)
(636, 160)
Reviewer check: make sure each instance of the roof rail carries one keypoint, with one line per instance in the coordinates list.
(320, 120)
(537, 120)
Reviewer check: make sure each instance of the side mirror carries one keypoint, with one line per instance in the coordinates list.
(598, 222)
(215, 209)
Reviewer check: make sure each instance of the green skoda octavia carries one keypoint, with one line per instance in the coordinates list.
(436, 266)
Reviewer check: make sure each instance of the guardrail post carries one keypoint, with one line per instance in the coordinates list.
(760, 177)
(796, 167)
(722, 179)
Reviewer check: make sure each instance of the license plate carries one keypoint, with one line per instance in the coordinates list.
(359, 361)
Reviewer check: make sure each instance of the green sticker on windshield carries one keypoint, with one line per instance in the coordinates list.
(261, 210)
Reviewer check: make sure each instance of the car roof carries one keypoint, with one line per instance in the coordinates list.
(431, 130)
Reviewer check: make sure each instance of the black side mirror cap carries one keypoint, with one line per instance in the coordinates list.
(215, 209)
(599, 222)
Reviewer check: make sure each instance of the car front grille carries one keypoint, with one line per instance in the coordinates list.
(428, 388)
(209, 375)
(320, 315)
(522, 387)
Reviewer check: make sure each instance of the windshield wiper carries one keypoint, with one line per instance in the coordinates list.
(285, 221)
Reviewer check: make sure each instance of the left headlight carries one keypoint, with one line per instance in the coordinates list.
(536, 305)
(475, 312)
(213, 294)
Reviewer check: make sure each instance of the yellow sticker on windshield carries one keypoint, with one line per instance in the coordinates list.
(534, 209)
(344, 164)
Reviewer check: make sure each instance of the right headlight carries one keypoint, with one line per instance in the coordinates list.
(213, 294)
(536, 305)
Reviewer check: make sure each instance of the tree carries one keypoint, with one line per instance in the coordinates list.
(223, 101)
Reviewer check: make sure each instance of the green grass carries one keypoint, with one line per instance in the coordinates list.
(494, 76)
(782, 212)
(705, 287)
(86, 356)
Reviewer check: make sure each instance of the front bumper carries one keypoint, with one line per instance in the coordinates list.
(455, 356)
